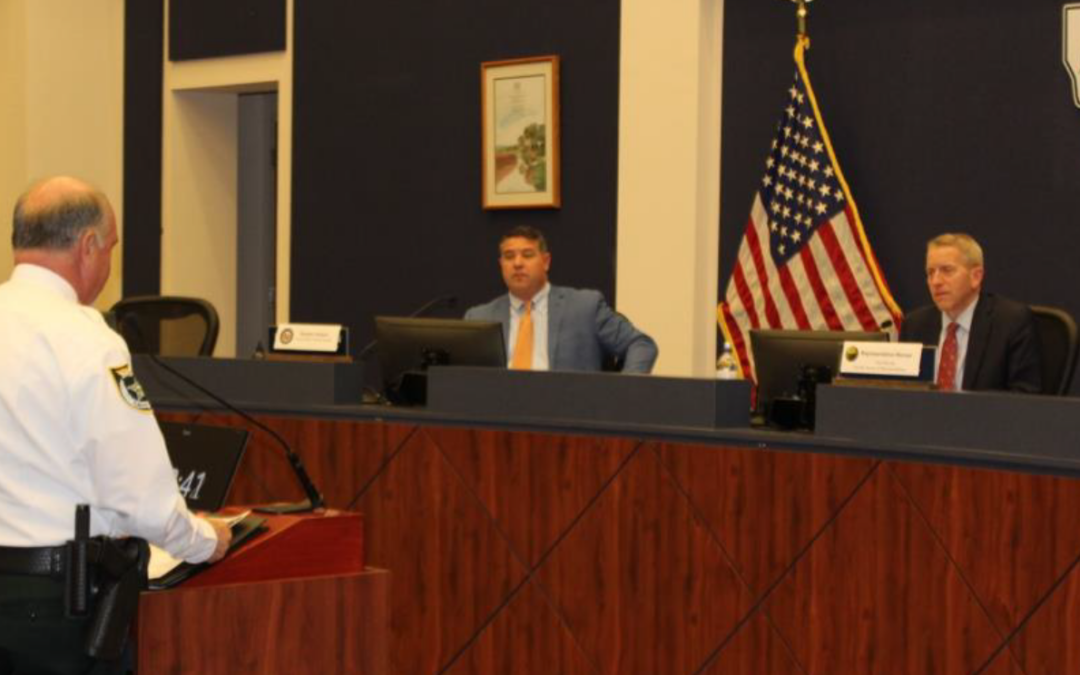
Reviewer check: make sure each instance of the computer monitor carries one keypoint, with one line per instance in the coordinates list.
(205, 459)
(781, 355)
(408, 345)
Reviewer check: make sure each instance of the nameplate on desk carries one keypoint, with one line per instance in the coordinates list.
(881, 359)
(308, 337)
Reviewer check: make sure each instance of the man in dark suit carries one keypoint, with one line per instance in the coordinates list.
(554, 327)
(984, 341)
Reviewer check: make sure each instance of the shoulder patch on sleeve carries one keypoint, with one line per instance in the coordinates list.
(130, 390)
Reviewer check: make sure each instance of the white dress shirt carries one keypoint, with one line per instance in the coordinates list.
(72, 431)
(963, 332)
(540, 327)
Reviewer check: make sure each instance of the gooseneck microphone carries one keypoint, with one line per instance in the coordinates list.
(314, 497)
(885, 326)
(434, 303)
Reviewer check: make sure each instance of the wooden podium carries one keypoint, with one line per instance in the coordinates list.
(296, 599)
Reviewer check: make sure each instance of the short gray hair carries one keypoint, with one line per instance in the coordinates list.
(965, 243)
(58, 225)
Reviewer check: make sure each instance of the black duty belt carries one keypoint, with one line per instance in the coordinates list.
(46, 561)
(102, 578)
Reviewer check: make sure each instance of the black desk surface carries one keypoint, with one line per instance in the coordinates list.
(1009, 432)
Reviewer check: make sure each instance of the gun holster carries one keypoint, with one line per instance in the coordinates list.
(103, 579)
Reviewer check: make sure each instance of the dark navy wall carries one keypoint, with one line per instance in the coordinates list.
(386, 167)
(945, 114)
(144, 46)
(200, 29)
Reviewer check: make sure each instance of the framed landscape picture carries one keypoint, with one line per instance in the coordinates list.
(519, 102)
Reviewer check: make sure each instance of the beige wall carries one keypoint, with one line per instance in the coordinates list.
(198, 245)
(199, 177)
(12, 117)
(63, 60)
(669, 177)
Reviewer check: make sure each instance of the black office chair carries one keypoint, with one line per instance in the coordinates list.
(167, 325)
(1059, 341)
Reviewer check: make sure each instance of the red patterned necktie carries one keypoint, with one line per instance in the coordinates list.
(946, 374)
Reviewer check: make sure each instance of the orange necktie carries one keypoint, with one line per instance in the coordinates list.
(523, 349)
(946, 373)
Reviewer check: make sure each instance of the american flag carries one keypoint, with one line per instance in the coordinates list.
(804, 261)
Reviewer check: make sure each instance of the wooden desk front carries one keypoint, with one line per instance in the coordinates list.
(296, 600)
(563, 552)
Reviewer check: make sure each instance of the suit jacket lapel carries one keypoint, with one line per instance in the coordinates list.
(503, 314)
(556, 305)
(977, 341)
(933, 334)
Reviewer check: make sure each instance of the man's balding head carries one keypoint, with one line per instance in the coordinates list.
(54, 212)
(69, 227)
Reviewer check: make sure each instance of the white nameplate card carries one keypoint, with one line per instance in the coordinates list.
(883, 359)
(308, 337)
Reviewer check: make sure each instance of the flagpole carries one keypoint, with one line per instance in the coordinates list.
(804, 262)
(801, 13)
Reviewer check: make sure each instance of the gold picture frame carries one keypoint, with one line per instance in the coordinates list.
(519, 103)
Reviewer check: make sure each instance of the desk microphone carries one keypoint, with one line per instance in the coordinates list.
(886, 325)
(314, 497)
(435, 303)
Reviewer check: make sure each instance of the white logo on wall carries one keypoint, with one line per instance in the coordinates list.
(1070, 45)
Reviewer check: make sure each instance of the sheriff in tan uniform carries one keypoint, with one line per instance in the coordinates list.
(75, 427)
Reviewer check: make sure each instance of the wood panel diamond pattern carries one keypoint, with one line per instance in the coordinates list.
(1047, 644)
(649, 558)
(876, 595)
(1012, 535)
(534, 485)
(764, 507)
(528, 636)
(1005, 665)
(451, 567)
(755, 650)
(642, 585)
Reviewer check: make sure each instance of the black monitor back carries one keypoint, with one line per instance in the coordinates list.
(408, 345)
(206, 459)
(781, 355)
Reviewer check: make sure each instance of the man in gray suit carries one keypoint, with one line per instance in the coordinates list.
(554, 327)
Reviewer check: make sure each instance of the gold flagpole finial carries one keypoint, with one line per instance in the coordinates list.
(800, 15)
